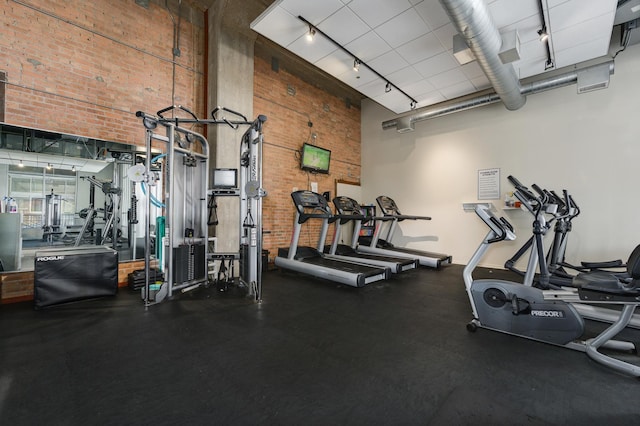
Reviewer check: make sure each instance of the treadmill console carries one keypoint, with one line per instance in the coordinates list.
(345, 205)
(388, 206)
(308, 200)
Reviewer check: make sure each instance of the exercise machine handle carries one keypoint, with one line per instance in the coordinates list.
(180, 107)
(503, 233)
(219, 108)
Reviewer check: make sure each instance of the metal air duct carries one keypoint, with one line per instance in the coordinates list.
(473, 21)
(406, 123)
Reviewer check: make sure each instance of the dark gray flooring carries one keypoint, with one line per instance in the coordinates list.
(313, 353)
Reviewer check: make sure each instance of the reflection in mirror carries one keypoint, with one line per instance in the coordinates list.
(62, 190)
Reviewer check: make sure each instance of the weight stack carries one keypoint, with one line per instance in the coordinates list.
(189, 263)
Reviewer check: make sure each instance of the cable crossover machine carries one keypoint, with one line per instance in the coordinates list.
(182, 248)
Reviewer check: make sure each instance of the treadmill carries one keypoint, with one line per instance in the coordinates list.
(311, 261)
(392, 215)
(348, 210)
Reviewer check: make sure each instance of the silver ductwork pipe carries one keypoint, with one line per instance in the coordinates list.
(473, 21)
(406, 123)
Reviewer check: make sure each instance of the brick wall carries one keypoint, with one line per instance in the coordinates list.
(290, 103)
(85, 68)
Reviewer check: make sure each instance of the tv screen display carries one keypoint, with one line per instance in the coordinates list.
(315, 159)
(225, 178)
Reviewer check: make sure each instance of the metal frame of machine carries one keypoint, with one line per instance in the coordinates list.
(186, 173)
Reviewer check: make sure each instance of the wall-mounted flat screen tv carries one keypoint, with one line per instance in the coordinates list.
(315, 159)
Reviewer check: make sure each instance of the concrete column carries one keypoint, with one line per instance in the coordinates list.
(230, 84)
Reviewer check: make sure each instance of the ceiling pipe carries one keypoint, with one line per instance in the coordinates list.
(473, 21)
(406, 123)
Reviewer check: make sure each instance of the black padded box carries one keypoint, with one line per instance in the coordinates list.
(71, 274)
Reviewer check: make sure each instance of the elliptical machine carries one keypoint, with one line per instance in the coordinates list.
(549, 316)
(511, 307)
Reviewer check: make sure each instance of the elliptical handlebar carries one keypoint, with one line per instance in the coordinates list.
(503, 232)
(573, 205)
(500, 227)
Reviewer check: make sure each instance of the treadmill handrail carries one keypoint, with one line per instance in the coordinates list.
(402, 217)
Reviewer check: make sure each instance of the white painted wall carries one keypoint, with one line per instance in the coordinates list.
(588, 144)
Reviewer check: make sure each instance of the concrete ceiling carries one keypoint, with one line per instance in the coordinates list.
(410, 42)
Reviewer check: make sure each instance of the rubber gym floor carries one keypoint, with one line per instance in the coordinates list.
(313, 353)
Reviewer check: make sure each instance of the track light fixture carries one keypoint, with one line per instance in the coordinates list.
(20, 164)
(73, 168)
(49, 166)
(543, 34)
(548, 65)
(356, 62)
(413, 104)
(311, 33)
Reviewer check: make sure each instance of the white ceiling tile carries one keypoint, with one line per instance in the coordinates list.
(388, 63)
(336, 64)
(584, 32)
(445, 34)
(403, 28)
(573, 13)
(527, 29)
(421, 48)
(506, 12)
(314, 50)
(419, 88)
(448, 78)
(405, 77)
(430, 99)
(480, 82)
(359, 78)
(368, 47)
(422, 64)
(459, 89)
(532, 51)
(530, 68)
(580, 53)
(375, 12)
(374, 88)
(432, 13)
(394, 100)
(280, 26)
(472, 70)
(436, 64)
(313, 12)
(343, 26)
(554, 3)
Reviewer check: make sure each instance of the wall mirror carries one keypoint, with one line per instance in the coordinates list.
(60, 190)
